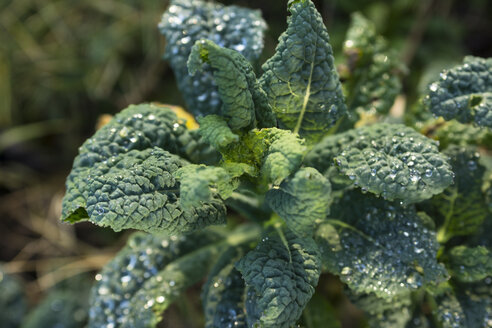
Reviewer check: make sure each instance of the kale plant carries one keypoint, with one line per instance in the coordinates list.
(315, 174)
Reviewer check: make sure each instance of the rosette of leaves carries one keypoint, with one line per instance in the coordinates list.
(319, 199)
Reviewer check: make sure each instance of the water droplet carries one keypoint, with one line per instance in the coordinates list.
(239, 47)
(472, 165)
(126, 279)
(433, 87)
(346, 271)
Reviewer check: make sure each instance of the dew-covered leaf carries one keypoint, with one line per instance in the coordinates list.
(272, 153)
(152, 271)
(199, 183)
(301, 79)
(319, 313)
(137, 127)
(215, 131)
(372, 82)
(464, 92)
(187, 21)
(302, 200)
(379, 247)
(13, 305)
(138, 190)
(280, 276)
(384, 312)
(390, 160)
(448, 311)
(461, 206)
(470, 264)
(243, 101)
(223, 293)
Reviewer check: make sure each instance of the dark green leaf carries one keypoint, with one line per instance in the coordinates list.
(280, 275)
(243, 101)
(140, 127)
(390, 160)
(300, 80)
(302, 200)
(187, 21)
(223, 294)
(152, 271)
(470, 264)
(462, 206)
(137, 190)
(373, 82)
(464, 92)
(379, 247)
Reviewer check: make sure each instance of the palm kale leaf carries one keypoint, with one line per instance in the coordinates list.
(379, 247)
(390, 160)
(280, 276)
(300, 79)
(464, 92)
(187, 21)
(122, 178)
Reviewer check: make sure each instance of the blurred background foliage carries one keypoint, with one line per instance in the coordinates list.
(64, 63)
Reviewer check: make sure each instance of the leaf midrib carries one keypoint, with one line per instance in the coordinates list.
(308, 91)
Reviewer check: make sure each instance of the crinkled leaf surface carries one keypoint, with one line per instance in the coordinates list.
(280, 276)
(271, 152)
(187, 21)
(372, 82)
(379, 247)
(470, 264)
(301, 79)
(137, 190)
(122, 177)
(152, 271)
(462, 206)
(243, 101)
(390, 160)
(384, 312)
(199, 183)
(135, 128)
(215, 131)
(464, 92)
(301, 200)
(223, 293)
(13, 305)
